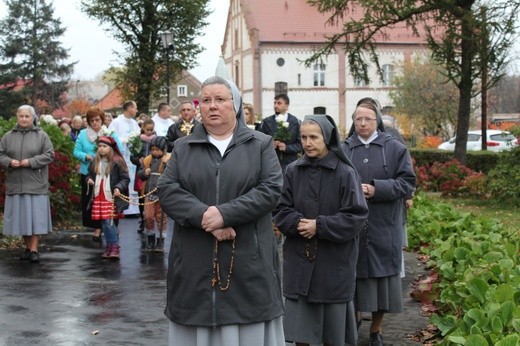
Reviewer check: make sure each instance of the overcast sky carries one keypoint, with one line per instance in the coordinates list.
(93, 48)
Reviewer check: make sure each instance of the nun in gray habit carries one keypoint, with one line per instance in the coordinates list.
(321, 213)
(26, 152)
(386, 172)
(220, 186)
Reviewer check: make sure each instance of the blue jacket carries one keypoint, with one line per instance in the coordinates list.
(84, 147)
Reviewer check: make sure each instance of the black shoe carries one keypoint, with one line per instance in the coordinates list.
(151, 242)
(26, 255)
(142, 237)
(159, 247)
(140, 229)
(376, 339)
(34, 257)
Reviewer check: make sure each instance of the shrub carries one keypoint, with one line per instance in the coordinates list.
(450, 178)
(64, 189)
(478, 161)
(503, 182)
(430, 142)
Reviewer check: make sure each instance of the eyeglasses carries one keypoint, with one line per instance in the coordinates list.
(217, 100)
(364, 120)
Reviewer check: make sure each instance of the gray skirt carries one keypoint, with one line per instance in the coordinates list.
(316, 323)
(379, 294)
(27, 215)
(269, 333)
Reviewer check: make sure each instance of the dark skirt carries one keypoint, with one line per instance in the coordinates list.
(316, 323)
(86, 196)
(379, 294)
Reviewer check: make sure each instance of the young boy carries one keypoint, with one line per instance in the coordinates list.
(150, 171)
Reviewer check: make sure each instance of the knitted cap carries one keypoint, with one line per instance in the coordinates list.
(159, 142)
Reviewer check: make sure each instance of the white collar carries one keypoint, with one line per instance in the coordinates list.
(370, 139)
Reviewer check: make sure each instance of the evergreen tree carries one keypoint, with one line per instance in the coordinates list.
(138, 25)
(31, 57)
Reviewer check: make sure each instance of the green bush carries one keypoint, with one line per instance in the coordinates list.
(503, 181)
(478, 266)
(63, 177)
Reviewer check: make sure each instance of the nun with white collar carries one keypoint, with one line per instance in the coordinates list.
(220, 186)
(321, 213)
(387, 176)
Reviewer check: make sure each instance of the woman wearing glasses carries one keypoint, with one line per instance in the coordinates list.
(220, 186)
(387, 176)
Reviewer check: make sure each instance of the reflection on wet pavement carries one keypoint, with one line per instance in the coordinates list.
(74, 297)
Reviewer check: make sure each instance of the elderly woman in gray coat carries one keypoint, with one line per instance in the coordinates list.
(25, 153)
(387, 177)
(220, 187)
(321, 213)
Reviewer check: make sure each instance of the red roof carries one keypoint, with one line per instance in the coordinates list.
(110, 101)
(16, 86)
(296, 21)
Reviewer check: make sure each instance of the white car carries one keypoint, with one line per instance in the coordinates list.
(497, 140)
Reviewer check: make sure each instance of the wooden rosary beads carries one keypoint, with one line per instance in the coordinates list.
(216, 267)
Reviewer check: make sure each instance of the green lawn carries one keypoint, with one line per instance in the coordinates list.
(508, 215)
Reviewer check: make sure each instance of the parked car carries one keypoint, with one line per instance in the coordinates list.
(497, 140)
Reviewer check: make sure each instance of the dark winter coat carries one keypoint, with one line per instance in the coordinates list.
(32, 144)
(119, 179)
(174, 132)
(329, 191)
(293, 147)
(386, 164)
(245, 185)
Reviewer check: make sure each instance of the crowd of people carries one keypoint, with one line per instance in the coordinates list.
(226, 179)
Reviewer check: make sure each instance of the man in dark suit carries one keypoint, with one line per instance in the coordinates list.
(184, 126)
(285, 130)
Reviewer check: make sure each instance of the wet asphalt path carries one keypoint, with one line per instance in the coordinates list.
(74, 297)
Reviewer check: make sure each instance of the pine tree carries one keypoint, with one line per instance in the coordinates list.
(32, 57)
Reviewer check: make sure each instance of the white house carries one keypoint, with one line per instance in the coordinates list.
(266, 41)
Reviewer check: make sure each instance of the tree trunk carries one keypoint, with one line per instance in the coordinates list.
(465, 87)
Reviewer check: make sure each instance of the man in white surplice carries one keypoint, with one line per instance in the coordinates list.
(124, 125)
(163, 119)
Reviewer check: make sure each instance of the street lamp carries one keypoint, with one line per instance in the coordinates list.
(167, 43)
